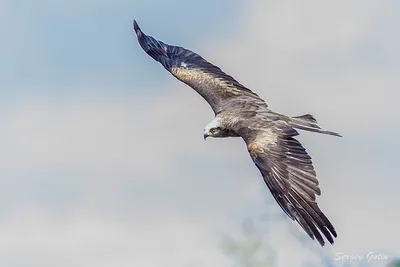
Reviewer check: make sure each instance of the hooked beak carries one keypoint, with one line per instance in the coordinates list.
(205, 136)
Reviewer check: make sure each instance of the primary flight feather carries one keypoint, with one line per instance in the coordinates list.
(283, 162)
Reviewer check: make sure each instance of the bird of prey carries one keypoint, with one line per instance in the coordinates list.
(283, 162)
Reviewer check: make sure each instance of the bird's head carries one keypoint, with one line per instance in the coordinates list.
(214, 129)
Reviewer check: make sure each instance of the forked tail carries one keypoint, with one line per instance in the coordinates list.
(308, 123)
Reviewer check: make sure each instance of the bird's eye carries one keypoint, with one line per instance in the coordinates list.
(212, 130)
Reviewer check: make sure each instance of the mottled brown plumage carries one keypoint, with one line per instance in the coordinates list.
(283, 162)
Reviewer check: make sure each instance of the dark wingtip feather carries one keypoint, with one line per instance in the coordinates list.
(135, 25)
(136, 28)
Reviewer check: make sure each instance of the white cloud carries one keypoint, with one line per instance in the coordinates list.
(299, 57)
(99, 134)
(35, 238)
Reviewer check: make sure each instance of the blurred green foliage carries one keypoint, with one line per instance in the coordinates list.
(253, 250)
(395, 263)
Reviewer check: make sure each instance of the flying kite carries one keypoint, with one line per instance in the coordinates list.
(283, 162)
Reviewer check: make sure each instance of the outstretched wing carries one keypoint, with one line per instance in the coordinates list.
(215, 86)
(289, 174)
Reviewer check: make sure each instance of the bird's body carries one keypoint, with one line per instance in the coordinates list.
(283, 162)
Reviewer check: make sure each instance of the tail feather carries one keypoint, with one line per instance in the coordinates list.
(307, 117)
(307, 122)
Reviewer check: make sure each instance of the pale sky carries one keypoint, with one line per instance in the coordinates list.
(102, 159)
